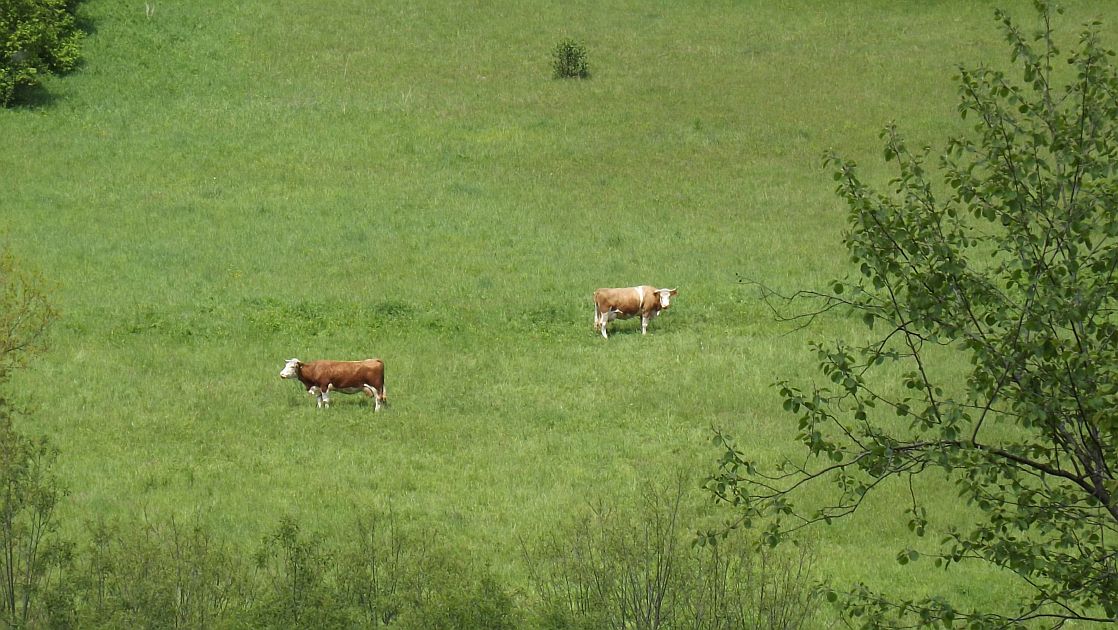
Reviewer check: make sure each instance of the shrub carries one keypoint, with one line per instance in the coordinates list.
(295, 567)
(376, 567)
(25, 312)
(157, 575)
(460, 597)
(32, 557)
(637, 570)
(36, 37)
(29, 549)
(569, 60)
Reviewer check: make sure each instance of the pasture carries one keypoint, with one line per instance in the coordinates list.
(223, 186)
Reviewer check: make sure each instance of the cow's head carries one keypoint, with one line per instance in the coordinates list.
(291, 368)
(666, 296)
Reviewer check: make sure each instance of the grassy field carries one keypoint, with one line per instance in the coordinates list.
(222, 186)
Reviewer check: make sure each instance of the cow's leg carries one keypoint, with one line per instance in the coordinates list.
(372, 391)
(326, 396)
(600, 321)
(604, 318)
(644, 324)
(313, 390)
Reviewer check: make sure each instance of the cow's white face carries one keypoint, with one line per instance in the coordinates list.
(290, 369)
(665, 297)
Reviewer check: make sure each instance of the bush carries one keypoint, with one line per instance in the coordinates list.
(295, 567)
(36, 37)
(637, 570)
(25, 313)
(377, 567)
(33, 559)
(30, 551)
(456, 596)
(569, 60)
(156, 575)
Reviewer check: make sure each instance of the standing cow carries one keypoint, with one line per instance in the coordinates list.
(349, 377)
(646, 301)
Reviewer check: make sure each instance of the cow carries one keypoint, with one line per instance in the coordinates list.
(646, 301)
(350, 377)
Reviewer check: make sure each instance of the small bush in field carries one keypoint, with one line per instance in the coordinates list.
(569, 60)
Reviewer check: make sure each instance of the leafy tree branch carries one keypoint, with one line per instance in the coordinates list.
(1003, 256)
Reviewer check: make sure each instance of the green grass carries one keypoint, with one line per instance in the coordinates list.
(223, 186)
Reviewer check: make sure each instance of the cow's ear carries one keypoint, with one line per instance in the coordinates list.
(674, 291)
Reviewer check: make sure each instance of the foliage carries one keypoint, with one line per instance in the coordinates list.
(295, 568)
(569, 60)
(636, 570)
(156, 575)
(29, 492)
(451, 596)
(375, 570)
(25, 314)
(36, 37)
(165, 575)
(1009, 262)
(29, 548)
(383, 577)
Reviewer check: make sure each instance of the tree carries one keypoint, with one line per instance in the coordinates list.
(1008, 259)
(36, 37)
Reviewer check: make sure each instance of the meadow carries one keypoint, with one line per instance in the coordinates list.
(223, 186)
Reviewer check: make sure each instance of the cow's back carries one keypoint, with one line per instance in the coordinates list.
(373, 372)
(346, 374)
(621, 299)
(626, 301)
(602, 297)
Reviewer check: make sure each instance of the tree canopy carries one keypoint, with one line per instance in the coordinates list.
(1004, 254)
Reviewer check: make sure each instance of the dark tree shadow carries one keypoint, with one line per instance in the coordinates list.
(32, 97)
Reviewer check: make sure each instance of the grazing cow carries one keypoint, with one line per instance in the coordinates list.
(645, 300)
(350, 377)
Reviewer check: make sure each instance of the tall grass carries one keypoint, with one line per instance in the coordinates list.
(222, 186)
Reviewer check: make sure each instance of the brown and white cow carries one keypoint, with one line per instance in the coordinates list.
(350, 377)
(645, 301)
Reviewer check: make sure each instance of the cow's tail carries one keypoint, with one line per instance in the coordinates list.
(383, 393)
